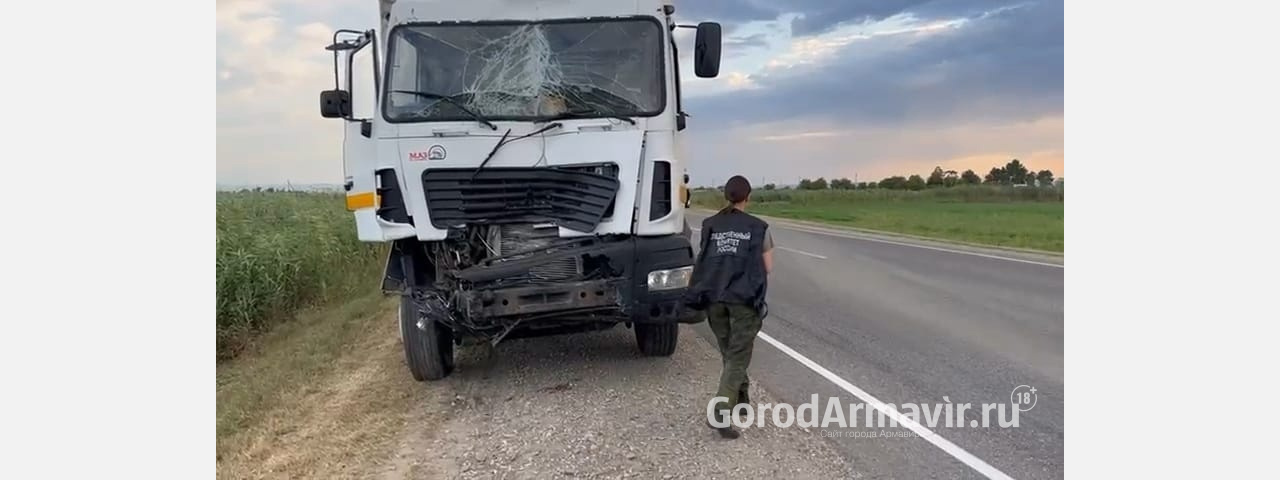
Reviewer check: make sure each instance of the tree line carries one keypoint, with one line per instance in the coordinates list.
(1012, 173)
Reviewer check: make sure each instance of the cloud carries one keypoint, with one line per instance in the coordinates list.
(785, 151)
(727, 11)
(798, 136)
(819, 16)
(894, 97)
(271, 66)
(807, 87)
(737, 44)
(739, 80)
(1004, 66)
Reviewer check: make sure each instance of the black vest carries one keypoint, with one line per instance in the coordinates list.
(730, 265)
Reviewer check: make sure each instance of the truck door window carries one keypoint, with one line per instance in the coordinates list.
(675, 67)
(363, 88)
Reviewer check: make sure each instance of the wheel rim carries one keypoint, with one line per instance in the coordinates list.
(400, 320)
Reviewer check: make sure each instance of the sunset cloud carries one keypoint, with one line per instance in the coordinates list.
(832, 87)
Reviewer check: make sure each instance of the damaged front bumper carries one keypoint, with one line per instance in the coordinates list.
(625, 295)
(574, 296)
(604, 299)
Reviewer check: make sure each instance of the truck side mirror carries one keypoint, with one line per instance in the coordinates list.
(335, 104)
(346, 45)
(706, 50)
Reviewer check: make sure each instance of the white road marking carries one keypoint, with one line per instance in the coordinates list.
(871, 239)
(952, 449)
(802, 252)
(789, 249)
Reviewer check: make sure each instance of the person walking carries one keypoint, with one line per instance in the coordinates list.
(730, 277)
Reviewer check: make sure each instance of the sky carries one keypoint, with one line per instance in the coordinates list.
(807, 88)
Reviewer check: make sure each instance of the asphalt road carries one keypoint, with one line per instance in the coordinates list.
(921, 323)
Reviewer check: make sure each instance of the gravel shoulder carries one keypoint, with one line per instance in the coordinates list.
(572, 406)
(588, 405)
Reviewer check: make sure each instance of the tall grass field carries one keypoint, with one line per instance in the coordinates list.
(1026, 217)
(278, 252)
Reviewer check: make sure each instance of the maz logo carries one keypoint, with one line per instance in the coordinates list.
(436, 152)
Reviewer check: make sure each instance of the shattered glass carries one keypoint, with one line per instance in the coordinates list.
(525, 71)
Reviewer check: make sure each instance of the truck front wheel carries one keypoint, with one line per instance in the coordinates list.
(657, 339)
(428, 349)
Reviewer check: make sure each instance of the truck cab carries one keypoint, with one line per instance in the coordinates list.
(523, 159)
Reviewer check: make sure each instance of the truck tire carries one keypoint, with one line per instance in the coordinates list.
(657, 339)
(427, 350)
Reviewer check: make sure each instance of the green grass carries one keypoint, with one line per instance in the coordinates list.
(278, 252)
(290, 356)
(1029, 218)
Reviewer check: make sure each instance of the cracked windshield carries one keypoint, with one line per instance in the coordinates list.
(525, 71)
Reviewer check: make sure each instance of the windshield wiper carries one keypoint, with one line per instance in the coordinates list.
(503, 141)
(446, 98)
(586, 113)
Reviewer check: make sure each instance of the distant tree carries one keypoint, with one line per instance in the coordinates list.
(841, 184)
(770, 186)
(895, 182)
(915, 182)
(936, 178)
(1045, 177)
(970, 178)
(819, 184)
(951, 178)
(997, 175)
(1017, 172)
(805, 184)
(862, 186)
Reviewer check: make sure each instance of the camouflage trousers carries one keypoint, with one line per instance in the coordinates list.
(735, 327)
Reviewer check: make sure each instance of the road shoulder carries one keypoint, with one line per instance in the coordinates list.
(1038, 256)
(582, 405)
(587, 405)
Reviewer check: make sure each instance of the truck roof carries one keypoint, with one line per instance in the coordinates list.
(406, 11)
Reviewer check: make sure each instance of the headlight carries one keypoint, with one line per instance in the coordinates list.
(670, 279)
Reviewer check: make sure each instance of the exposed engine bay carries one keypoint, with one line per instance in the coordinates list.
(489, 279)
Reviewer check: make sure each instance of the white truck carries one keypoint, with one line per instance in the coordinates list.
(523, 159)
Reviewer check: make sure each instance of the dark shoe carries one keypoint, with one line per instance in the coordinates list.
(725, 432)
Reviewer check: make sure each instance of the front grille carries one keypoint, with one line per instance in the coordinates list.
(515, 238)
(576, 200)
(607, 169)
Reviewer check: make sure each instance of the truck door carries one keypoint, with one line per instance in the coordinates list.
(354, 99)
